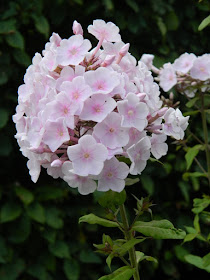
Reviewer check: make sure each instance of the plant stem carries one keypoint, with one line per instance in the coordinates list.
(205, 132)
(128, 236)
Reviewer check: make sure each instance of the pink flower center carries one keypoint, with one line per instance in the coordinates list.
(76, 95)
(109, 174)
(111, 130)
(97, 108)
(65, 111)
(202, 69)
(86, 155)
(130, 112)
(73, 51)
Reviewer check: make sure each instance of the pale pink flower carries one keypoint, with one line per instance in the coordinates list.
(134, 136)
(113, 175)
(87, 156)
(85, 185)
(110, 132)
(97, 107)
(73, 50)
(175, 124)
(133, 112)
(77, 28)
(139, 153)
(68, 74)
(158, 146)
(148, 60)
(56, 133)
(63, 107)
(201, 68)
(34, 168)
(184, 63)
(167, 77)
(77, 91)
(104, 31)
(101, 80)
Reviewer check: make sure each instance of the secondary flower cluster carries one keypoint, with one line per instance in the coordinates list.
(188, 73)
(81, 112)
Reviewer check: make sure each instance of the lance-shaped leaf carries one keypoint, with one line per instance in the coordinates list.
(128, 245)
(191, 154)
(162, 229)
(124, 273)
(140, 257)
(197, 261)
(93, 219)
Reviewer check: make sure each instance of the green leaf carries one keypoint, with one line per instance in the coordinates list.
(59, 249)
(36, 212)
(50, 235)
(192, 102)
(24, 195)
(124, 273)
(128, 245)
(204, 23)
(20, 230)
(172, 21)
(49, 193)
(196, 223)
(88, 256)
(7, 26)
(21, 57)
(190, 237)
(52, 218)
(112, 199)
(131, 181)
(10, 211)
(199, 204)
(109, 260)
(11, 271)
(15, 40)
(191, 154)
(161, 25)
(148, 184)
(42, 25)
(206, 260)
(196, 261)
(186, 175)
(93, 219)
(140, 257)
(71, 269)
(133, 5)
(38, 271)
(161, 229)
(4, 116)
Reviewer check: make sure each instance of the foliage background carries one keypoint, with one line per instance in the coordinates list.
(39, 233)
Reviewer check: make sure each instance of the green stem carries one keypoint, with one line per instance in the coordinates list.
(205, 132)
(128, 236)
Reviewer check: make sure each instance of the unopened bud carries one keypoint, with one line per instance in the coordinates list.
(108, 60)
(56, 163)
(141, 96)
(171, 96)
(77, 28)
(162, 111)
(124, 49)
(193, 83)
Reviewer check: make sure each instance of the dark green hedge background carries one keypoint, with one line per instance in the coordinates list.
(39, 233)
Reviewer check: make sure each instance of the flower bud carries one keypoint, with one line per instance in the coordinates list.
(77, 28)
(57, 163)
(108, 60)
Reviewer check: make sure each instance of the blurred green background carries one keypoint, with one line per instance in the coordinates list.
(39, 233)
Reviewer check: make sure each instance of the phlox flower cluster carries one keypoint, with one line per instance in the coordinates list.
(83, 110)
(189, 73)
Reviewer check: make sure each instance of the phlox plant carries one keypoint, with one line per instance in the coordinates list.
(189, 75)
(93, 117)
